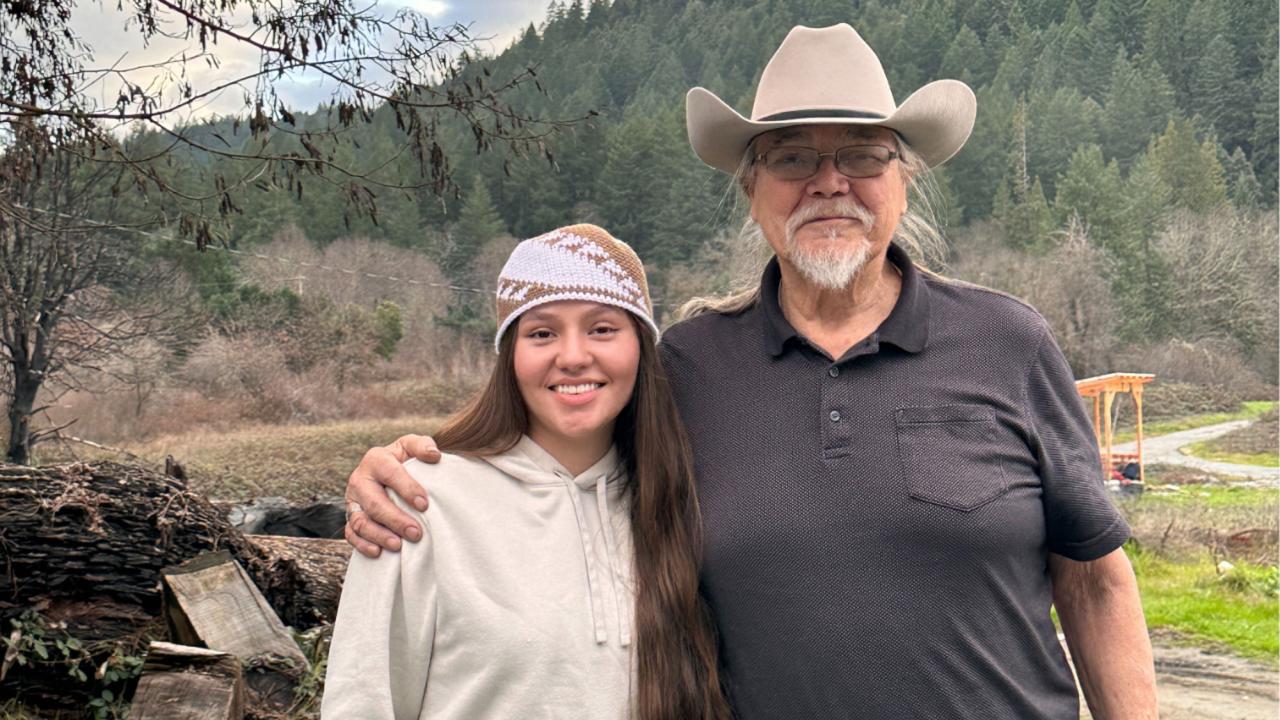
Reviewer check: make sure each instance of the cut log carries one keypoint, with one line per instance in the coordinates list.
(212, 601)
(180, 682)
(303, 576)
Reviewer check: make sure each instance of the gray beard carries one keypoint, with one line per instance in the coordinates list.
(830, 268)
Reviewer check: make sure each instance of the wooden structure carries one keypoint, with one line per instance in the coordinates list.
(1102, 389)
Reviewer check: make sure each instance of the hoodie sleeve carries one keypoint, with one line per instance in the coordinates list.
(383, 635)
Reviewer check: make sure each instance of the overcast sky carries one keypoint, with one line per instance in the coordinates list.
(114, 42)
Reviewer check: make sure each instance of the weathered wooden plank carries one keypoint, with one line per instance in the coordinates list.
(211, 601)
(224, 610)
(180, 682)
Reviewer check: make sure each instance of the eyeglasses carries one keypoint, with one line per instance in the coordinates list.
(800, 163)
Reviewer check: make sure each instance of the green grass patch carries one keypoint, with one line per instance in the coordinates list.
(1208, 497)
(1208, 450)
(1248, 410)
(1237, 609)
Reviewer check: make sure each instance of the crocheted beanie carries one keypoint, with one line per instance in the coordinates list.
(578, 262)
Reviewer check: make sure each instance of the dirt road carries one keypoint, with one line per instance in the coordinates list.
(1164, 450)
(1197, 685)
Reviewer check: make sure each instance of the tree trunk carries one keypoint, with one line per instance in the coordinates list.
(303, 576)
(26, 385)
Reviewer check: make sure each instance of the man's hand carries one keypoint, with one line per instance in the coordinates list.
(373, 520)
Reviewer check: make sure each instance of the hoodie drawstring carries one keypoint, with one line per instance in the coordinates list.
(588, 553)
(610, 552)
(593, 571)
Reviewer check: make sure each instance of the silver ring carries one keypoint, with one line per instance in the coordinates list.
(353, 507)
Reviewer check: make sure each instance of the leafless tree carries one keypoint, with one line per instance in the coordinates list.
(71, 293)
(1067, 284)
(1224, 267)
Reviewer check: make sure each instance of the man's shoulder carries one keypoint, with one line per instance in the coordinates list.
(709, 330)
(963, 301)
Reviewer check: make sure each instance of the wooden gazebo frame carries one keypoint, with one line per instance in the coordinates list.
(1103, 389)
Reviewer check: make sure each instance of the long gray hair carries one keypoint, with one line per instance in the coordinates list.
(918, 234)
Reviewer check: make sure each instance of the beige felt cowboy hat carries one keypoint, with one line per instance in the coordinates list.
(830, 76)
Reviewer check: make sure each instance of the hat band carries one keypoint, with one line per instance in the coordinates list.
(801, 114)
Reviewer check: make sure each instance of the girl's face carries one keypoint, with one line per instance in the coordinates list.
(575, 364)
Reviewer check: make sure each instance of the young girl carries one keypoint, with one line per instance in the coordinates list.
(558, 572)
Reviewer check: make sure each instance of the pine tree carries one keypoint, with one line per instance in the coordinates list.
(1117, 24)
(982, 163)
(538, 203)
(597, 14)
(478, 223)
(1266, 129)
(1216, 91)
(1189, 167)
(634, 182)
(1020, 204)
(1242, 184)
(1092, 190)
(1163, 42)
(965, 60)
(1058, 123)
(1137, 105)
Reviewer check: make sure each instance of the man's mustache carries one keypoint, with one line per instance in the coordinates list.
(830, 208)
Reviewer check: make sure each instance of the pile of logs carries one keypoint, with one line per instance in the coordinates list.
(120, 556)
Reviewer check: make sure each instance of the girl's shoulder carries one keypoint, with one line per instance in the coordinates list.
(448, 469)
(459, 479)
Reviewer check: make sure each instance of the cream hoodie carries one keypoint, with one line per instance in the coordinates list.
(517, 602)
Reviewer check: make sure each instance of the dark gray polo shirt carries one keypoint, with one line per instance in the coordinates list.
(878, 526)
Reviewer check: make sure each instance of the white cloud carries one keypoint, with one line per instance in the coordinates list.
(116, 40)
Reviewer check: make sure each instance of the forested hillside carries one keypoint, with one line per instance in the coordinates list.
(1122, 177)
(1183, 91)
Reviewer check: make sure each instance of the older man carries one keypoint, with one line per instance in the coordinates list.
(896, 475)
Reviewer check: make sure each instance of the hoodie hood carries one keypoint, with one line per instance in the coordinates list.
(528, 462)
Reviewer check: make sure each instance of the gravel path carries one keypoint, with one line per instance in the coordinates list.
(1164, 450)
(1197, 684)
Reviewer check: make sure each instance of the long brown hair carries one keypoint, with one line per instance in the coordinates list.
(676, 672)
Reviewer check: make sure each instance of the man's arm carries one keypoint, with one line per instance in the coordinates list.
(1101, 616)
(373, 520)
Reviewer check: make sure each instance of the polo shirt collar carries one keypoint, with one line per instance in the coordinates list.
(907, 326)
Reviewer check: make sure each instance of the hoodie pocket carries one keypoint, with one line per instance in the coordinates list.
(948, 455)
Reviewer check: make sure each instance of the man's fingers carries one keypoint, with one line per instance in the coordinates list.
(379, 520)
(385, 515)
(403, 485)
(422, 447)
(372, 533)
(361, 545)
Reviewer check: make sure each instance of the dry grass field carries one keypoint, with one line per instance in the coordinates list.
(298, 462)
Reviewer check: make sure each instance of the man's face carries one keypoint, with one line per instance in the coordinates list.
(828, 225)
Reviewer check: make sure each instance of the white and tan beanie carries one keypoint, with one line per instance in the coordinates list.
(578, 262)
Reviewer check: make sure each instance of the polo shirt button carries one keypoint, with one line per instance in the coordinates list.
(833, 371)
(835, 416)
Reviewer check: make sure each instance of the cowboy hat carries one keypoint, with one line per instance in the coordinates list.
(830, 76)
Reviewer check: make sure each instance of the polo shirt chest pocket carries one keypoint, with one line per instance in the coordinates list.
(949, 456)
